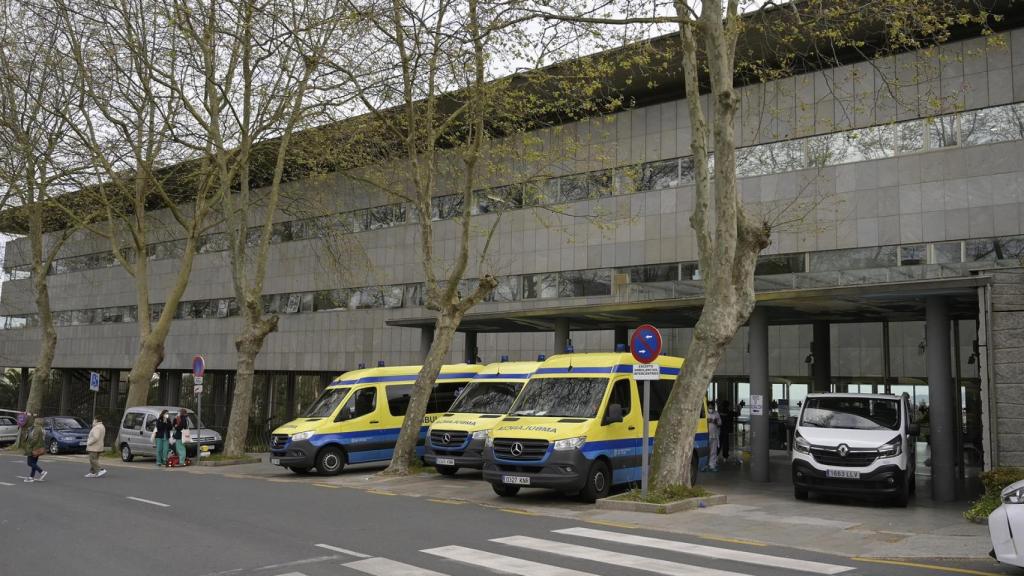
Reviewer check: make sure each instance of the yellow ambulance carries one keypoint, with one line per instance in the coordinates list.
(577, 427)
(456, 439)
(358, 417)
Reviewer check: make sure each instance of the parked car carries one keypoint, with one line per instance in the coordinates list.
(137, 426)
(65, 434)
(8, 428)
(1006, 526)
(857, 444)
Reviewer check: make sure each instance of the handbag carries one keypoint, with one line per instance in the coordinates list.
(186, 435)
(38, 452)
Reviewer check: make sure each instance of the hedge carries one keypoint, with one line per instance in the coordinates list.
(995, 481)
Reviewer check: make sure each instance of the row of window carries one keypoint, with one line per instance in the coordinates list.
(566, 284)
(984, 126)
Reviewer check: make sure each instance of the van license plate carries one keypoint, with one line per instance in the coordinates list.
(520, 480)
(275, 461)
(446, 461)
(851, 474)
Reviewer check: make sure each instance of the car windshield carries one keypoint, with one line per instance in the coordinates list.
(564, 397)
(67, 423)
(486, 398)
(327, 403)
(851, 413)
(190, 418)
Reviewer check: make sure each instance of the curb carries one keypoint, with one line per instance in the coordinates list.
(231, 462)
(667, 508)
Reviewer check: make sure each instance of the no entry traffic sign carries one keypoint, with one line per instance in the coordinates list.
(645, 344)
(198, 366)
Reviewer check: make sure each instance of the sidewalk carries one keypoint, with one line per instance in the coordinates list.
(755, 513)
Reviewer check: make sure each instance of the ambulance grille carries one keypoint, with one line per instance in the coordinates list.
(513, 449)
(454, 438)
(278, 441)
(854, 459)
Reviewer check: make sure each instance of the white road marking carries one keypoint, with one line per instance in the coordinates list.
(708, 551)
(6, 484)
(153, 502)
(385, 567)
(502, 564)
(613, 558)
(292, 574)
(343, 551)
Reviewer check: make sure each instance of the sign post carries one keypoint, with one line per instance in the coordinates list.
(94, 385)
(645, 346)
(198, 370)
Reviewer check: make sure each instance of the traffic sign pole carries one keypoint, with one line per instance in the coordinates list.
(198, 370)
(94, 385)
(646, 347)
(645, 458)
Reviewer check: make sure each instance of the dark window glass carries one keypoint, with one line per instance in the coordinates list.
(507, 290)
(660, 389)
(913, 255)
(586, 283)
(112, 315)
(943, 131)
(572, 188)
(851, 413)
(562, 397)
(946, 253)
(290, 303)
(223, 307)
(779, 264)
(155, 310)
(202, 309)
(81, 317)
(621, 395)
(687, 174)
(540, 285)
(443, 395)
(446, 207)
(499, 199)
(271, 303)
(1009, 248)
(853, 259)
(980, 250)
(331, 300)
(362, 402)
(385, 216)
(414, 295)
(486, 398)
(133, 421)
(398, 399)
(281, 232)
(660, 175)
(306, 304)
(654, 273)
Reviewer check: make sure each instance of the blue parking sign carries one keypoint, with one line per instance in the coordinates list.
(94, 381)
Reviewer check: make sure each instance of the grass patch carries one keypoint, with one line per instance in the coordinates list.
(419, 468)
(995, 481)
(664, 496)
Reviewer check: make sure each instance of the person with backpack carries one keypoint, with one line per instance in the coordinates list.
(33, 449)
(94, 446)
(180, 429)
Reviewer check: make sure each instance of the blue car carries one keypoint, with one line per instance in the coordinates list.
(65, 434)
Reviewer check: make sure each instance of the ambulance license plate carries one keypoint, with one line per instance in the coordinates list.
(446, 461)
(275, 461)
(851, 474)
(519, 480)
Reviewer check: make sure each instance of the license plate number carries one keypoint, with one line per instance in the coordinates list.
(275, 461)
(446, 461)
(83, 442)
(852, 474)
(520, 480)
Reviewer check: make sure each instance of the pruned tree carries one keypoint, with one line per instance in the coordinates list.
(788, 37)
(37, 163)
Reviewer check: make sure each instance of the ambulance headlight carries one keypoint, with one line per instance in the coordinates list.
(1014, 496)
(302, 436)
(800, 444)
(570, 443)
(489, 439)
(481, 434)
(891, 448)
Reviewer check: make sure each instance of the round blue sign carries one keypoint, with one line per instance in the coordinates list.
(198, 365)
(645, 344)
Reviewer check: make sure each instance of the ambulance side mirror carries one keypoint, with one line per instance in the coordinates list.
(614, 414)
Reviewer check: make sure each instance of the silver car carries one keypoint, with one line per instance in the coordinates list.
(133, 436)
(8, 427)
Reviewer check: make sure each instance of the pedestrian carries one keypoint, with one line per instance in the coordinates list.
(180, 428)
(725, 434)
(94, 446)
(33, 448)
(161, 437)
(714, 428)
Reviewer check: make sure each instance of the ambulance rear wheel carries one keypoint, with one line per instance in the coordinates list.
(505, 490)
(447, 470)
(599, 482)
(330, 461)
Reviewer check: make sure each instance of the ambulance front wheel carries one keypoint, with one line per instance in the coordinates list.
(505, 490)
(330, 461)
(599, 482)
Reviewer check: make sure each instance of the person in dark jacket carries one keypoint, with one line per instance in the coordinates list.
(725, 411)
(180, 423)
(161, 437)
(33, 449)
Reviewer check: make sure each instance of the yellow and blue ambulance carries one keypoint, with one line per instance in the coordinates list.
(456, 439)
(358, 417)
(577, 427)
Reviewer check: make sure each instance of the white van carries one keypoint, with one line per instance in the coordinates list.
(857, 444)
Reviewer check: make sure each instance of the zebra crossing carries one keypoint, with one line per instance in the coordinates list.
(575, 551)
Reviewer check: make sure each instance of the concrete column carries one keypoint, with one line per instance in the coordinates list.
(65, 390)
(942, 412)
(759, 386)
(561, 335)
(426, 341)
(822, 350)
(220, 398)
(622, 337)
(23, 387)
(290, 397)
(173, 388)
(471, 350)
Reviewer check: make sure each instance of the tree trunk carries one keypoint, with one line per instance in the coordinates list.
(150, 355)
(48, 334)
(405, 450)
(248, 346)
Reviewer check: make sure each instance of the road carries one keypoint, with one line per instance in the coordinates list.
(172, 522)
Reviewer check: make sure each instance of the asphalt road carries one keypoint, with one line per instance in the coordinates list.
(172, 522)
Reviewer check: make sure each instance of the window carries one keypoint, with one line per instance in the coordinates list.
(621, 395)
(414, 294)
(540, 285)
(331, 299)
(586, 283)
(362, 402)
(385, 216)
(660, 389)
(979, 250)
(443, 396)
(484, 397)
(112, 315)
(851, 413)
(281, 232)
(853, 259)
(151, 422)
(498, 199)
(133, 421)
(81, 317)
(572, 188)
(659, 175)
(654, 273)
(445, 207)
(913, 255)
(1009, 248)
(507, 290)
(213, 243)
(398, 399)
(911, 136)
(943, 131)
(946, 253)
(325, 405)
(779, 264)
(561, 397)
(290, 303)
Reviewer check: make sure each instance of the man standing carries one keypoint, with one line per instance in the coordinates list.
(33, 448)
(94, 446)
(725, 412)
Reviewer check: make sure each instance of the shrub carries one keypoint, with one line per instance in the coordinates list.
(669, 494)
(995, 481)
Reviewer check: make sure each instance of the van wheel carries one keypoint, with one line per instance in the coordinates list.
(447, 470)
(912, 483)
(902, 498)
(330, 461)
(505, 490)
(126, 454)
(300, 470)
(799, 493)
(599, 482)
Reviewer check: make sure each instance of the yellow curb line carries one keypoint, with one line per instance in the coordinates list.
(613, 524)
(380, 492)
(733, 540)
(446, 501)
(325, 485)
(926, 566)
(520, 512)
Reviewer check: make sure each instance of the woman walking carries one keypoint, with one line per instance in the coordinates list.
(161, 436)
(33, 447)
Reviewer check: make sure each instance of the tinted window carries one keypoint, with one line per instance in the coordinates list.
(486, 398)
(622, 396)
(398, 399)
(133, 421)
(660, 389)
(362, 402)
(565, 397)
(443, 395)
(851, 413)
